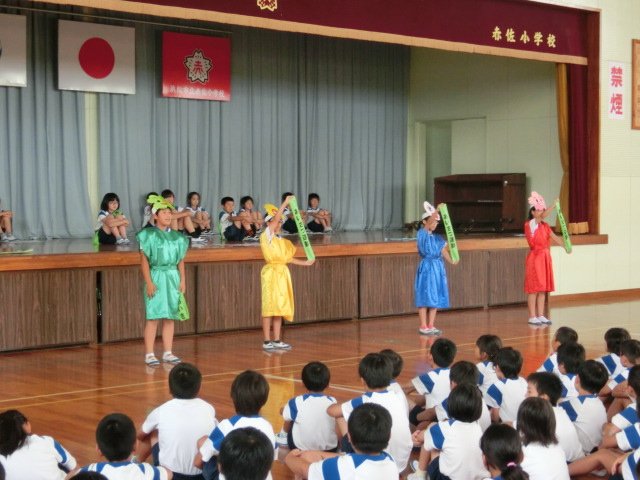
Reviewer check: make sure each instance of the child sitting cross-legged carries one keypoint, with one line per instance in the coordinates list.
(505, 396)
(245, 454)
(563, 335)
(571, 356)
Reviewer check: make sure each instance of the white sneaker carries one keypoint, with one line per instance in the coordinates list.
(268, 346)
(9, 238)
(534, 321)
(282, 440)
(328, 230)
(126, 241)
(170, 358)
(3, 238)
(280, 345)
(121, 241)
(197, 240)
(544, 320)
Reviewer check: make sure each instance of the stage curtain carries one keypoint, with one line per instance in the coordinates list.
(42, 145)
(579, 191)
(307, 114)
(562, 99)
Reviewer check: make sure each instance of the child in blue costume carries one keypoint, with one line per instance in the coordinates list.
(431, 289)
(162, 263)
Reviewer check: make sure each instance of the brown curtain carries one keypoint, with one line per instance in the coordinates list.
(562, 100)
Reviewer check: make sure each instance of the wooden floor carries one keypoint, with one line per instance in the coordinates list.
(65, 392)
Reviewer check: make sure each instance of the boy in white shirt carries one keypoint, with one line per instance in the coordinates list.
(245, 454)
(396, 363)
(624, 430)
(571, 356)
(562, 335)
(369, 433)
(171, 431)
(320, 218)
(505, 396)
(375, 372)
(233, 227)
(614, 338)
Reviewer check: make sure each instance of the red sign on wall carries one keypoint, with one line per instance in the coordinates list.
(196, 66)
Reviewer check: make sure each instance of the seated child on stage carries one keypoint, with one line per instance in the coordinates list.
(25, 455)
(614, 338)
(307, 426)
(147, 214)
(396, 363)
(624, 430)
(245, 454)
(199, 216)
(172, 430)
(434, 385)
(586, 411)
(289, 224)
(502, 453)
(548, 386)
(457, 440)
(375, 371)
(562, 335)
(463, 372)
(369, 431)
(251, 215)
(249, 393)
(571, 356)
(487, 347)
(181, 218)
(6, 227)
(233, 227)
(505, 396)
(544, 459)
(116, 440)
(320, 218)
(112, 224)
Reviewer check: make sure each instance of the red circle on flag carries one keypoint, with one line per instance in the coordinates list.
(96, 57)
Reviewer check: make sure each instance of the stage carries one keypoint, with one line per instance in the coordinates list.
(68, 292)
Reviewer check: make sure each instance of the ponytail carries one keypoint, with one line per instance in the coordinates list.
(513, 471)
(502, 450)
(12, 433)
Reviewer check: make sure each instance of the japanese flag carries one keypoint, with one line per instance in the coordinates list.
(96, 58)
(13, 50)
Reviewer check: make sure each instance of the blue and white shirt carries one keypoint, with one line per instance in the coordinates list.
(442, 414)
(38, 459)
(127, 471)
(488, 375)
(211, 446)
(612, 363)
(619, 378)
(225, 219)
(550, 364)
(434, 385)
(629, 438)
(588, 416)
(626, 418)
(400, 443)
(507, 394)
(628, 468)
(569, 389)
(313, 428)
(355, 467)
(396, 388)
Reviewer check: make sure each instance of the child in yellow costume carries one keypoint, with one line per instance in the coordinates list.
(275, 279)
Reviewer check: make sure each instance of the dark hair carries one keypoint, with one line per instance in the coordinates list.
(502, 449)
(465, 403)
(166, 193)
(285, 195)
(510, 362)
(396, 361)
(489, 344)
(190, 196)
(108, 197)
(184, 381)
(12, 433)
(312, 196)
(565, 335)
(443, 352)
(593, 376)
(316, 376)
(464, 372)
(571, 355)
(148, 195)
(245, 454)
(116, 437)
(631, 350)
(376, 370)
(548, 384)
(634, 379)
(369, 427)
(89, 476)
(531, 210)
(537, 422)
(225, 200)
(245, 199)
(249, 392)
(614, 337)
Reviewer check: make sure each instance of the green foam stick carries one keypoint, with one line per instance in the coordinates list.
(302, 231)
(448, 230)
(563, 228)
(183, 308)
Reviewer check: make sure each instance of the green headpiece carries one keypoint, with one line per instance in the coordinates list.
(158, 203)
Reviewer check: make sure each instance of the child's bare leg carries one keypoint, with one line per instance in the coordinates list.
(609, 430)
(150, 330)
(423, 462)
(531, 304)
(168, 327)
(341, 423)
(595, 461)
(6, 224)
(616, 407)
(143, 450)
(422, 315)
(432, 316)
(174, 223)
(266, 328)
(428, 415)
(123, 231)
(277, 327)
(540, 297)
(188, 224)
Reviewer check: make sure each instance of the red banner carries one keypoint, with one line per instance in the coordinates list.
(196, 66)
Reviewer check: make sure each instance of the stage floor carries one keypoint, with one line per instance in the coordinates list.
(64, 392)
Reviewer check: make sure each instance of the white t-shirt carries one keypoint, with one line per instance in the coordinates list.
(396, 388)
(628, 468)
(355, 466)
(193, 211)
(434, 385)
(588, 416)
(459, 445)
(544, 463)
(400, 443)
(180, 424)
(612, 363)
(488, 375)
(567, 435)
(626, 417)
(569, 389)
(507, 394)
(127, 471)
(629, 438)
(484, 421)
(147, 215)
(225, 219)
(38, 459)
(313, 428)
(102, 214)
(550, 364)
(619, 378)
